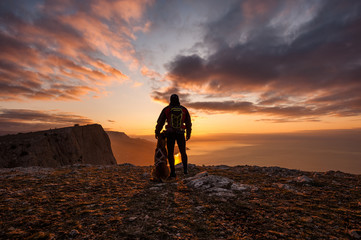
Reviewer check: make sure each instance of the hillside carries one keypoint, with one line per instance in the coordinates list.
(212, 202)
(136, 151)
(87, 144)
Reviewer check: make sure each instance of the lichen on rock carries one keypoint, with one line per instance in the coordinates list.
(215, 185)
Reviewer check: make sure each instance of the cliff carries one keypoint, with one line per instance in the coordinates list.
(136, 151)
(57, 147)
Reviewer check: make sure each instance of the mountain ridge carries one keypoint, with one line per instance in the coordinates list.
(136, 151)
(88, 144)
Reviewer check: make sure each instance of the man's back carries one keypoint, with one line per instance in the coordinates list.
(178, 121)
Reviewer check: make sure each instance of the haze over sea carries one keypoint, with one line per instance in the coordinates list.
(338, 150)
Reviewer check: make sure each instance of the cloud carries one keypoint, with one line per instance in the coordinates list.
(25, 120)
(63, 49)
(280, 58)
(164, 95)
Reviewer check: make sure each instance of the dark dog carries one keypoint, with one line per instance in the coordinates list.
(161, 170)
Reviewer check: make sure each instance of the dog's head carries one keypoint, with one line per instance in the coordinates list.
(161, 140)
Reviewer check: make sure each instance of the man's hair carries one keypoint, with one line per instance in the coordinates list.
(174, 100)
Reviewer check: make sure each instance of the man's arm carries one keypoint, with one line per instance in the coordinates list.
(188, 123)
(160, 123)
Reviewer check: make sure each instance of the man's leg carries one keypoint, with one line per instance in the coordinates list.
(170, 148)
(181, 141)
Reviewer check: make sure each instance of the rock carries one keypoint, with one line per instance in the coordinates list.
(224, 194)
(215, 185)
(239, 187)
(180, 166)
(222, 167)
(198, 175)
(283, 186)
(57, 147)
(126, 165)
(146, 175)
(355, 233)
(199, 208)
(74, 233)
(303, 179)
(307, 219)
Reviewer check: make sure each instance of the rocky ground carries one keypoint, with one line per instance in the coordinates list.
(219, 202)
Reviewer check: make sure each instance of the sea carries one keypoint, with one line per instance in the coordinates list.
(320, 151)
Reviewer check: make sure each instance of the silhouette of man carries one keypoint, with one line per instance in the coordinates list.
(178, 120)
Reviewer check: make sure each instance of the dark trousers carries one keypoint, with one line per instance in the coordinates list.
(181, 142)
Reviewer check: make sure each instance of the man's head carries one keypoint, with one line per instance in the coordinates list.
(174, 100)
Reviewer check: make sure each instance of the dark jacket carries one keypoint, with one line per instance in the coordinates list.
(165, 116)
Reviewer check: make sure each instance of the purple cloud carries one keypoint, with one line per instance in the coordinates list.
(24, 120)
(61, 49)
(297, 59)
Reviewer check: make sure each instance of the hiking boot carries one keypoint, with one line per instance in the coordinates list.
(171, 178)
(185, 171)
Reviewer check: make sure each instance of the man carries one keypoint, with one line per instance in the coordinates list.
(178, 120)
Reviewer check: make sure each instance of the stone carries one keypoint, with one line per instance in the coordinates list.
(303, 179)
(283, 186)
(74, 233)
(222, 167)
(355, 233)
(179, 166)
(215, 185)
(239, 187)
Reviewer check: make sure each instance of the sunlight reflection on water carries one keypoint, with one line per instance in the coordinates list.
(205, 147)
(177, 158)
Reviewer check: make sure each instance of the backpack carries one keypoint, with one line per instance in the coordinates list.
(176, 117)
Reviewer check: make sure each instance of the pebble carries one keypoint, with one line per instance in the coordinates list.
(355, 233)
(283, 186)
(74, 233)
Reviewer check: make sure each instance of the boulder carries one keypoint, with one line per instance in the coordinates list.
(303, 179)
(214, 185)
(87, 144)
(355, 233)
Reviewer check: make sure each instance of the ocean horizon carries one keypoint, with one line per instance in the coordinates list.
(336, 150)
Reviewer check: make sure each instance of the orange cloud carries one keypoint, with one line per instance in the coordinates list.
(150, 73)
(63, 51)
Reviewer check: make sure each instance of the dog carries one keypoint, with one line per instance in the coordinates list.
(160, 171)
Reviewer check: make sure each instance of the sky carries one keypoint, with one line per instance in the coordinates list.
(246, 66)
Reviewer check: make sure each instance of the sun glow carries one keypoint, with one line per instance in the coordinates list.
(177, 158)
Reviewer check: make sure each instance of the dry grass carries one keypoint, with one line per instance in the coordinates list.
(119, 202)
